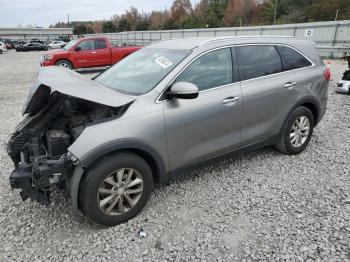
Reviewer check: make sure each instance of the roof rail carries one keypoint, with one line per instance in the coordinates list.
(223, 38)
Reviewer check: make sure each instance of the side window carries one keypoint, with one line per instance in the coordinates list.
(257, 61)
(210, 70)
(292, 59)
(101, 44)
(87, 45)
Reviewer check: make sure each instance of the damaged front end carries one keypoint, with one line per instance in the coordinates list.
(39, 146)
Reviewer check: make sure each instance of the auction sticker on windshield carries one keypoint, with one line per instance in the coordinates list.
(163, 62)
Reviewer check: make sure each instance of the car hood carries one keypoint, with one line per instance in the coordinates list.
(56, 52)
(65, 81)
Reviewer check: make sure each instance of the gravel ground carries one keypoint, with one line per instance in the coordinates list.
(259, 206)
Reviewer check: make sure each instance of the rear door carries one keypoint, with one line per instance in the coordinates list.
(209, 125)
(103, 52)
(269, 93)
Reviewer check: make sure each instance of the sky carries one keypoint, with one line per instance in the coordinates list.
(47, 12)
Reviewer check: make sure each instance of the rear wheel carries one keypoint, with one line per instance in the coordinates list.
(64, 63)
(297, 132)
(116, 188)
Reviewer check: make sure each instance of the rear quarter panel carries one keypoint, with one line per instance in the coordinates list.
(312, 80)
(312, 83)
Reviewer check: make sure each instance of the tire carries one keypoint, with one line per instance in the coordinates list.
(301, 136)
(0, 52)
(64, 63)
(109, 168)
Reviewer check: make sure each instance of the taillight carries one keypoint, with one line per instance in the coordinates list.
(327, 74)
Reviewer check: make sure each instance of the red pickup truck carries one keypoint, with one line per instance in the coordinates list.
(87, 52)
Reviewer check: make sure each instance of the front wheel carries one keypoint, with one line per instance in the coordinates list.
(297, 132)
(116, 188)
(64, 63)
(0, 52)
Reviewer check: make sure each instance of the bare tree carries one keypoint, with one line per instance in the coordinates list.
(237, 11)
(180, 9)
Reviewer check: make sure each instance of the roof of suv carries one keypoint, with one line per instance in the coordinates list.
(192, 43)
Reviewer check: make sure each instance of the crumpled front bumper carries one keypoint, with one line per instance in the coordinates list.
(36, 180)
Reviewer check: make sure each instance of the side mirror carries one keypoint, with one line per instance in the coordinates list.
(183, 90)
(78, 48)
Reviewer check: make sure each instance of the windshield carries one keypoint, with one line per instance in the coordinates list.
(70, 44)
(140, 72)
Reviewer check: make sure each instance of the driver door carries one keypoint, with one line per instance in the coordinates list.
(86, 56)
(209, 125)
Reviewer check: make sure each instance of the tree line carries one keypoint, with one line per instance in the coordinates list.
(218, 13)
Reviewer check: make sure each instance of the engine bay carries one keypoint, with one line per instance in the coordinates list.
(39, 146)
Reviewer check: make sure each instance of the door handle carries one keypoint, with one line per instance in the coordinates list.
(230, 99)
(94, 52)
(290, 84)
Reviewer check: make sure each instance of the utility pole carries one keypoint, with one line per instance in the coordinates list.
(68, 18)
(336, 15)
(275, 16)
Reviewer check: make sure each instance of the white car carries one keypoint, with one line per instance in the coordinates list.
(56, 45)
(2, 48)
(343, 86)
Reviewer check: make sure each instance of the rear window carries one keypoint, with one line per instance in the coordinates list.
(101, 44)
(88, 44)
(257, 61)
(292, 59)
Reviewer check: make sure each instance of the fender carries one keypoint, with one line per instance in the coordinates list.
(127, 145)
(67, 59)
(162, 177)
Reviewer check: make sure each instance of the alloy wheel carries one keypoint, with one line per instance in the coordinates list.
(300, 131)
(120, 191)
(66, 65)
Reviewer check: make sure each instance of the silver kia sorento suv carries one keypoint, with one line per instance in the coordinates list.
(159, 112)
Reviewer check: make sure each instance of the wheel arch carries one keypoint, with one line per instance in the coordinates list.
(314, 110)
(312, 104)
(309, 102)
(65, 59)
(148, 153)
